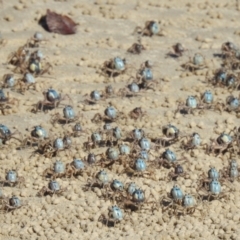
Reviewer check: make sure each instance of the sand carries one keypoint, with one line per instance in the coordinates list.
(105, 31)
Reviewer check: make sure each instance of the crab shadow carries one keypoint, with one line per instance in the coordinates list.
(89, 186)
(165, 203)
(183, 112)
(44, 108)
(172, 55)
(131, 207)
(108, 223)
(219, 55)
(43, 22)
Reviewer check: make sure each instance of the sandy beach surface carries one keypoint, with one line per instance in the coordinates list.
(106, 30)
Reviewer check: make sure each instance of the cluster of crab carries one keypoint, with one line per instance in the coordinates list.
(150, 29)
(227, 75)
(12, 179)
(50, 146)
(231, 56)
(136, 153)
(131, 198)
(206, 102)
(143, 81)
(124, 196)
(38, 137)
(144, 75)
(28, 62)
(46, 145)
(133, 153)
(209, 188)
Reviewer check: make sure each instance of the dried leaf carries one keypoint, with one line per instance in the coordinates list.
(60, 23)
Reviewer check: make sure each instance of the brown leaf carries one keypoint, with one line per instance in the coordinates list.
(60, 23)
